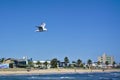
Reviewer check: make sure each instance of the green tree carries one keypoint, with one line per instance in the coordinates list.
(98, 62)
(74, 63)
(38, 63)
(54, 63)
(89, 62)
(79, 62)
(45, 63)
(2, 60)
(113, 64)
(30, 63)
(66, 60)
(107, 63)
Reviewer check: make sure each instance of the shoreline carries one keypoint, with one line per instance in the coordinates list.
(56, 71)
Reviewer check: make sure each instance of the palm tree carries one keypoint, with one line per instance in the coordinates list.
(38, 63)
(113, 64)
(79, 62)
(107, 63)
(30, 63)
(66, 60)
(45, 63)
(89, 62)
(74, 63)
(54, 63)
(2, 60)
(98, 63)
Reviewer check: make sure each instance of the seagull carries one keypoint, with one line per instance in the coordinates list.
(41, 28)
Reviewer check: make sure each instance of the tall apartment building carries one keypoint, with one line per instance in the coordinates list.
(105, 58)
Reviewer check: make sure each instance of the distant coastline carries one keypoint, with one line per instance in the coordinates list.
(53, 71)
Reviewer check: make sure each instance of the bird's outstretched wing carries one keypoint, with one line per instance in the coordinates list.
(43, 25)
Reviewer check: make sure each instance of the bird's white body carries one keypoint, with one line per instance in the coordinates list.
(41, 28)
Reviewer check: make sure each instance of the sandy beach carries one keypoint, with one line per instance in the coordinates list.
(53, 71)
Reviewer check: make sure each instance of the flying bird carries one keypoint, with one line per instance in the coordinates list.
(41, 28)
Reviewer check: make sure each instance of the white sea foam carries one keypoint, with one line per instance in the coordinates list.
(66, 77)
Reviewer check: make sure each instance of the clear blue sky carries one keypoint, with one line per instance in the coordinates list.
(78, 29)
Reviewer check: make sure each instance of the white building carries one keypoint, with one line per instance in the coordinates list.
(42, 64)
(105, 58)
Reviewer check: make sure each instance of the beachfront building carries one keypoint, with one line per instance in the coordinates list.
(11, 62)
(42, 64)
(61, 64)
(104, 58)
(21, 63)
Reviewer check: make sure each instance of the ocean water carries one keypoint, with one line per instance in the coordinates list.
(75, 76)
